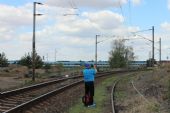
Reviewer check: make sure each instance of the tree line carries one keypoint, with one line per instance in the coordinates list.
(119, 56)
(26, 60)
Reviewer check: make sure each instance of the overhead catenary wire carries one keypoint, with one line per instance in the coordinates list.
(73, 4)
(120, 6)
(130, 13)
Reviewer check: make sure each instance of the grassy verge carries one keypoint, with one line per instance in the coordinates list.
(101, 96)
(129, 101)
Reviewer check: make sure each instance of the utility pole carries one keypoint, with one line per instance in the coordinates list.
(96, 50)
(33, 42)
(55, 55)
(127, 60)
(159, 51)
(153, 56)
(47, 57)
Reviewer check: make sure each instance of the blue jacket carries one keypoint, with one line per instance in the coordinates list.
(89, 74)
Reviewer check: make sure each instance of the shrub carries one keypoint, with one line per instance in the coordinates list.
(3, 60)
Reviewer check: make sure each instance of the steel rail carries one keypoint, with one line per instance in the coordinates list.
(23, 106)
(28, 104)
(112, 96)
(40, 85)
(36, 86)
(9, 101)
(113, 92)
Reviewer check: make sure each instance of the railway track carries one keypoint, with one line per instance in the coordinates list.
(113, 91)
(17, 101)
(126, 97)
(11, 99)
(112, 97)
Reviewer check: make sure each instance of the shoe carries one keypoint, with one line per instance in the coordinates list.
(93, 105)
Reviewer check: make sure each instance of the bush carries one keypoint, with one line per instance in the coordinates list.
(3, 60)
(47, 66)
(27, 61)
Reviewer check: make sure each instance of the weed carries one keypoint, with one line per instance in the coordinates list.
(155, 107)
(169, 91)
(121, 95)
(27, 82)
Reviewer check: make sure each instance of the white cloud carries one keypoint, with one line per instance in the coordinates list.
(69, 34)
(93, 4)
(10, 15)
(136, 2)
(165, 26)
(5, 34)
(105, 19)
(169, 4)
(86, 25)
(86, 3)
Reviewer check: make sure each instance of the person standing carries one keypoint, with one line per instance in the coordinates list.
(89, 77)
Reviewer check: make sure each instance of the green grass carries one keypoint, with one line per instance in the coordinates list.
(101, 95)
(120, 95)
(168, 92)
(154, 107)
(28, 82)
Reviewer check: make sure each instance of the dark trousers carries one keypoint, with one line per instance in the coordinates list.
(89, 90)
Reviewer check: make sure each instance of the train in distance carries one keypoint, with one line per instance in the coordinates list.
(81, 63)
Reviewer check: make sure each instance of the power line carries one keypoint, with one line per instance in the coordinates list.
(70, 3)
(121, 8)
(130, 14)
(73, 4)
(141, 31)
(78, 9)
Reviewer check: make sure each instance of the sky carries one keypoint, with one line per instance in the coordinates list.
(67, 28)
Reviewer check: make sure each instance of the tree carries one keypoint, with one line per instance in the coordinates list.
(3, 60)
(38, 61)
(120, 54)
(27, 61)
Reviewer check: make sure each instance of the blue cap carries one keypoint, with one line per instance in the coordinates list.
(87, 65)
